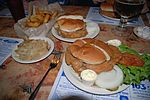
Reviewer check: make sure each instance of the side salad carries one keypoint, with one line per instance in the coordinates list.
(134, 74)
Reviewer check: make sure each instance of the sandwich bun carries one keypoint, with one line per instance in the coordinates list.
(88, 54)
(107, 7)
(71, 26)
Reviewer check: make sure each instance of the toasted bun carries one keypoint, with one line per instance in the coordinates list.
(70, 25)
(88, 54)
(107, 7)
(108, 10)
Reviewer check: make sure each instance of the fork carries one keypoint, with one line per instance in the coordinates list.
(53, 64)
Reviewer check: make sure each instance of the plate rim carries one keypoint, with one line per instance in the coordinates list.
(55, 33)
(85, 88)
(50, 42)
(136, 33)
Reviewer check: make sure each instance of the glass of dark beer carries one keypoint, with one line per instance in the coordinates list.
(127, 9)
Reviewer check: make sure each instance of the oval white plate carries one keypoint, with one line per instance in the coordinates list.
(51, 44)
(135, 31)
(76, 81)
(93, 30)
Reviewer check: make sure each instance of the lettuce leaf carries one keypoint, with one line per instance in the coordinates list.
(134, 74)
(124, 48)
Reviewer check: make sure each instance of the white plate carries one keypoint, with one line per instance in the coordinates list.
(75, 80)
(51, 44)
(140, 35)
(92, 28)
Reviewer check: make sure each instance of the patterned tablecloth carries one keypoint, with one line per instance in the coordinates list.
(15, 75)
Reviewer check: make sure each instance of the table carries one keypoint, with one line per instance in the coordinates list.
(16, 75)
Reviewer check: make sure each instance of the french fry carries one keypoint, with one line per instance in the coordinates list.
(33, 24)
(46, 18)
(33, 19)
(54, 14)
(40, 17)
(41, 14)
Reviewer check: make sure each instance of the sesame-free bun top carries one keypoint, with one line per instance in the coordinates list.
(89, 53)
(107, 7)
(70, 25)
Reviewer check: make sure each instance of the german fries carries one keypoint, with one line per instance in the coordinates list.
(40, 18)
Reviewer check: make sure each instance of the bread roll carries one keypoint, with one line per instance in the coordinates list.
(88, 54)
(71, 26)
(107, 7)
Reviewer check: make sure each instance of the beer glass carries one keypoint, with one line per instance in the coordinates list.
(126, 9)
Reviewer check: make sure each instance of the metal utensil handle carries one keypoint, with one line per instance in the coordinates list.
(34, 93)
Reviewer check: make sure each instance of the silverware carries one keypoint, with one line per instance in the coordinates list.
(57, 52)
(53, 64)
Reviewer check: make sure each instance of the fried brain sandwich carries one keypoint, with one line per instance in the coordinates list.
(71, 26)
(89, 55)
(98, 56)
(92, 54)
